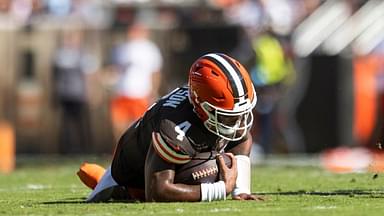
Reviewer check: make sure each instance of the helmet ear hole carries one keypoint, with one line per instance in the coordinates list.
(198, 67)
(215, 73)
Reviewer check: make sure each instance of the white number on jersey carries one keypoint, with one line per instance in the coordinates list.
(181, 129)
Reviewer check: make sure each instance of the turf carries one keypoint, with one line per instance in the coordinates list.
(48, 186)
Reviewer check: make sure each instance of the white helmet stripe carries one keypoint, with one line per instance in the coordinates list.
(235, 77)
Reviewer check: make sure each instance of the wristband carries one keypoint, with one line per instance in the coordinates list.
(213, 191)
(243, 181)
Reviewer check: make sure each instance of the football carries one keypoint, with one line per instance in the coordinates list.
(203, 168)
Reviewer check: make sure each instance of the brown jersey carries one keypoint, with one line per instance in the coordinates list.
(172, 128)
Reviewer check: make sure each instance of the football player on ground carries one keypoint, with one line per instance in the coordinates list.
(212, 113)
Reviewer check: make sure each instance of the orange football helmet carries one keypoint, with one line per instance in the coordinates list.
(223, 95)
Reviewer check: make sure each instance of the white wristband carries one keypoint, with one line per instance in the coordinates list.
(213, 191)
(243, 181)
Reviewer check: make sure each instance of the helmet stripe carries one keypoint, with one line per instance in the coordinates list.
(238, 73)
(233, 75)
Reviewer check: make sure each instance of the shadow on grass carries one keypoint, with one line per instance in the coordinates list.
(73, 200)
(350, 193)
(370, 193)
(82, 201)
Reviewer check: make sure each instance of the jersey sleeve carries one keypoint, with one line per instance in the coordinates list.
(169, 152)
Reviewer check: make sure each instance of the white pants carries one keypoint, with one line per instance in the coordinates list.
(104, 188)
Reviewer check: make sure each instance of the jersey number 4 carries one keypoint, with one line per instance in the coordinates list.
(181, 129)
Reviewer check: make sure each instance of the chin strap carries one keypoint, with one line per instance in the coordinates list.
(243, 181)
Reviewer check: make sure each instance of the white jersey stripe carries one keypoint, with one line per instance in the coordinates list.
(231, 71)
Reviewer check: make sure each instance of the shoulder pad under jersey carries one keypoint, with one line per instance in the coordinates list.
(168, 152)
(170, 146)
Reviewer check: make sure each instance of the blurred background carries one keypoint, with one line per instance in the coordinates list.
(75, 73)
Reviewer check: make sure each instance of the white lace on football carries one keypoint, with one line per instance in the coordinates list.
(204, 173)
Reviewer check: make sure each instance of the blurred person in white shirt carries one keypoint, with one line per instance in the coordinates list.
(137, 63)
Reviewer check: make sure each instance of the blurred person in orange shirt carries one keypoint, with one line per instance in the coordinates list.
(136, 64)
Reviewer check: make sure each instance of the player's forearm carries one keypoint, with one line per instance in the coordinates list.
(243, 148)
(170, 192)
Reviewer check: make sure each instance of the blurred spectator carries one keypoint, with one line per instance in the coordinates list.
(59, 7)
(250, 17)
(368, 100)
(380, 87)
(280, 14)
(21, 9)
(5, 5)
(270, 74)
(263, 50)
(246, 13)
(72, 64)
(8, 21)
(137, 64)
(94, 13)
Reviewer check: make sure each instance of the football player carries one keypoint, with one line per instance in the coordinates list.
(212, 113)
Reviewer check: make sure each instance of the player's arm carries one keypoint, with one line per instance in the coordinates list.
(242, 150)
(159, 186)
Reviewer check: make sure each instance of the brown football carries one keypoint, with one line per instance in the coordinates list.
(201, 169)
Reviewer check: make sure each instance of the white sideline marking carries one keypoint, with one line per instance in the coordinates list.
(224, 210)
(37, 186)
(324, 207)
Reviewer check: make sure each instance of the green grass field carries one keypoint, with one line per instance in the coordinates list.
(49, 186)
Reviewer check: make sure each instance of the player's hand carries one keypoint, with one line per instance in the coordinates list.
(228, 175)
(245, 196)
